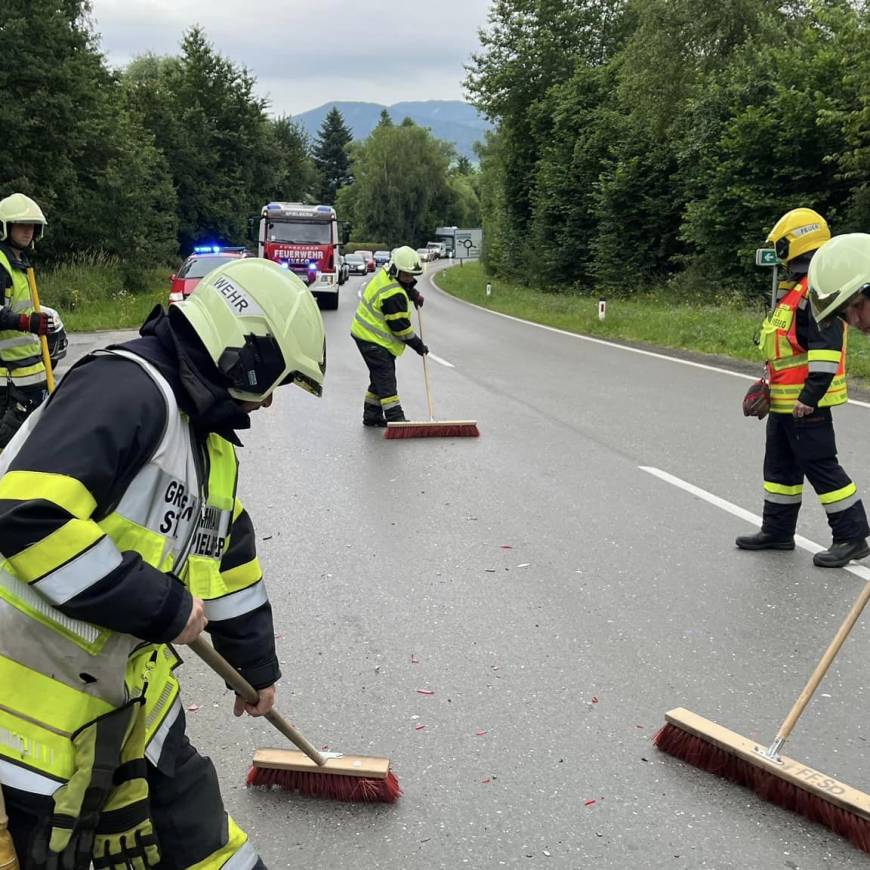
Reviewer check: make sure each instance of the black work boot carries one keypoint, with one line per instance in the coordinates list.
(764, 541)
(373, 415)
(840, 553)
(395, 414)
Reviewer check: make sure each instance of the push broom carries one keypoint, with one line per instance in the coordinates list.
(775, 777)
(308, 772)
(431, 428)
(43, 341)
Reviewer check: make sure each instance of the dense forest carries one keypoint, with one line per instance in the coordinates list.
(641, 142)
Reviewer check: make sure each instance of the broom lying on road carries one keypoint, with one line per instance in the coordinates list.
(774, 777)
(431, 428)
(309, 772)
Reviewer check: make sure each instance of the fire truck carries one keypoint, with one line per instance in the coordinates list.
(304, 239)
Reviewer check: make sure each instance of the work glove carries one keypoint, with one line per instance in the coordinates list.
(756, 402)
(39, 324)
(125, 835)
(67, 840)
(418, 300)
(417, 343)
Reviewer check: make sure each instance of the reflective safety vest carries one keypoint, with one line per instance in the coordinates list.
(789, 363)
(57, 673)
(20, 352)
(371, 324)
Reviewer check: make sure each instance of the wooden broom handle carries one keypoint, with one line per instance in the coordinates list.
(244, 689)
(822, 667)
(425, 366)
(43, 341)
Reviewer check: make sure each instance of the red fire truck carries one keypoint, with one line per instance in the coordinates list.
(304, 239)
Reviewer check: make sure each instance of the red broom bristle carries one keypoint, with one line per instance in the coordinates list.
(440, 430)
(333, 786)
(713, 759)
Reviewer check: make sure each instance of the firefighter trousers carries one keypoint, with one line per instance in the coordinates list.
(799, 447)
(187, 812)
(382, 399)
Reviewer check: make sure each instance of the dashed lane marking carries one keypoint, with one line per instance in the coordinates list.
(743, 514)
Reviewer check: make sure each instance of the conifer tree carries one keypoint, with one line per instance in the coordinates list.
(331, 155)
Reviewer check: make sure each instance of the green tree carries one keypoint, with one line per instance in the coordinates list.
(331, 155)
(401, 190)
(766, 146)
(223, 151)
(296, 175)
(76, 149)
(528, 47)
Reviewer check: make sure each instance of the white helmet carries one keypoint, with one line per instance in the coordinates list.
(261, 326)
(21, 209)
(839, 271)
(405, 259)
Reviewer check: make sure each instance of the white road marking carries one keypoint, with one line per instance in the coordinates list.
(664, 356)
(737, 511)
(442, 362)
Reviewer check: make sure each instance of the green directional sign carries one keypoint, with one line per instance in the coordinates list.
(766, 257)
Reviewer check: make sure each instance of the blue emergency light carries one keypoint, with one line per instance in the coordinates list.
(207, 249)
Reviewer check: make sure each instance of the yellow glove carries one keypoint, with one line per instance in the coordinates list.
(134, 848)
(78, 803)
(125, 836)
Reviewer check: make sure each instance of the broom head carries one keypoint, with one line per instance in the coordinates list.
(433, 429)
(342, 778)
(784, 782)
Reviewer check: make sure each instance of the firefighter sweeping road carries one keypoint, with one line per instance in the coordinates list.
(507, 618)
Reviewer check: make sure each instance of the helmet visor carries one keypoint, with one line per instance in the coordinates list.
(306, 382)
(835, 303)
(255, 368)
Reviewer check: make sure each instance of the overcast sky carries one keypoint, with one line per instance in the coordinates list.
(308, 52)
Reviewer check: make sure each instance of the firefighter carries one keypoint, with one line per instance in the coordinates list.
(382, 329)
(840, 281)
(22, 371)
(806, 366)
(120, 531)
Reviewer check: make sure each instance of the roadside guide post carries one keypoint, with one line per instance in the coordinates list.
(602, 308)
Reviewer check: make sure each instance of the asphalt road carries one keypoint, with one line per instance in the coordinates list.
(508, 618)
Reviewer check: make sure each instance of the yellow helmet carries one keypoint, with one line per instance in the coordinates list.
(21, 209)
(797, 232)
(838, 273)
(260, 325)
(405, 259)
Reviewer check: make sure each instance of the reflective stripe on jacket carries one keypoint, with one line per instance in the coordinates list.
(383, 314)
(20, 352)
(176, 514)
(790, 363)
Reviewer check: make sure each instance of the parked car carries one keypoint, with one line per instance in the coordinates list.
(356, 264)
(425, 254)
(369, 257)
(197, 266)
(382, 258)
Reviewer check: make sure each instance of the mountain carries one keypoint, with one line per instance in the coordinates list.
(452, 120)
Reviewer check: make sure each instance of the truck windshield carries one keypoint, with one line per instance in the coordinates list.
(300, 232)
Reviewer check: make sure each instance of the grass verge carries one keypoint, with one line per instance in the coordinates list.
(656, 318)
(89, 292)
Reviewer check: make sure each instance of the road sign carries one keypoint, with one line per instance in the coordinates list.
(766, 257)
